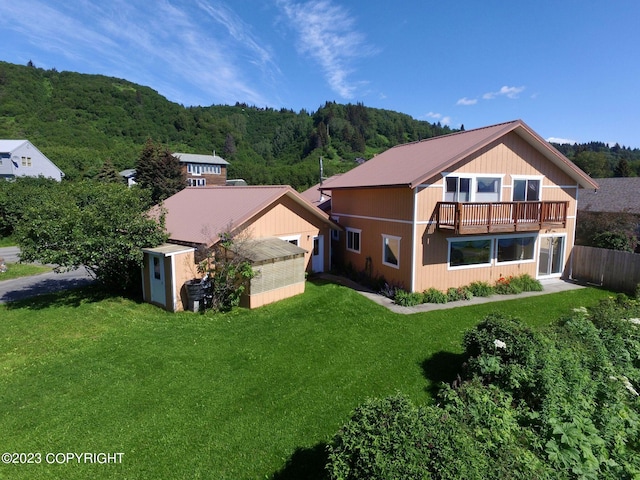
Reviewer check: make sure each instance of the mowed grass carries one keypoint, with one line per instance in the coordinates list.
(16, 270)
(245, 395)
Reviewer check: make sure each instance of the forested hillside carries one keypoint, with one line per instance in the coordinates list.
(79, 121)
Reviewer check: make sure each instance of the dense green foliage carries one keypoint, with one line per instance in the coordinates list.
(555, 403)
(17, 196)
(102, 226)
(616, 231)
(79, 121)
(601, 160)
(158, 171)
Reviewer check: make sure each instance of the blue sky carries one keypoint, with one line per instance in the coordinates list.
(568, 68)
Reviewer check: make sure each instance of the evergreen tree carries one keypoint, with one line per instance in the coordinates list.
(159, 171)
(108, 173)
(622, 169)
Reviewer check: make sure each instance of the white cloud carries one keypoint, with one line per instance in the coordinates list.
(435, 116)
(467, 101)
(509, 92)
(327, 33)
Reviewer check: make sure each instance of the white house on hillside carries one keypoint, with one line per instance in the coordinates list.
(20, 158)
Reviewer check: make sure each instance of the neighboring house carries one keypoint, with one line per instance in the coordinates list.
(284, 234)
(203, 170)
(470, 206)
(20, 158)
(129, 175)
(319, 196)
(615, 205)
(614, 195)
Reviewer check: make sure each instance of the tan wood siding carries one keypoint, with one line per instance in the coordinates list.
(390, 203)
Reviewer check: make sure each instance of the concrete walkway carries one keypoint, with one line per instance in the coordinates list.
(554, 285)
(27, 287)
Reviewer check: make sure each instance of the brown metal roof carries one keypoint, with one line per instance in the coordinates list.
(613, 195)
(199, 215)
(412, 164)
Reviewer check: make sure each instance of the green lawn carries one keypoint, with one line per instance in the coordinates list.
(246, 395)
(15, 270)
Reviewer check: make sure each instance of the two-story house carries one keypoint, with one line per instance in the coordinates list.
(20, 158)
(203, 170)
(470, 206)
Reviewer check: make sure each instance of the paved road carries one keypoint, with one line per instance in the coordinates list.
(27, 287)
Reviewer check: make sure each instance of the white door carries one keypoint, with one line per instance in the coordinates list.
(317, 259)
(157, 281)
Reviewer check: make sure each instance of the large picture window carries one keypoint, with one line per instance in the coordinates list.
(391, 251)
(515, 249)
(470, 252)
(353, 240)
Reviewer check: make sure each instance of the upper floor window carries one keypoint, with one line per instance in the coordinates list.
(26, 161)
(472, 188)
(526, 190)
(353, 240)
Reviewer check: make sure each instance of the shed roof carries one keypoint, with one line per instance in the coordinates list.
(204, 159)
(613, 195)
(412, 164)
(267, 249)
(199, 215)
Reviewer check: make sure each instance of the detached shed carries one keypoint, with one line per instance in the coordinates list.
(280, 271)
(164, 274)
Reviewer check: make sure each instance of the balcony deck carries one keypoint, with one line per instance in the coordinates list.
(475, 218)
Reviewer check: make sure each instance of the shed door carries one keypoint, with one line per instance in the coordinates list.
(157, 281)
(317, 259)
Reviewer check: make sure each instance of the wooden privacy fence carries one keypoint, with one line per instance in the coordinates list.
(612, 269)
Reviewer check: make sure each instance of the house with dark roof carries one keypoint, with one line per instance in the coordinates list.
(284, 237)
(613, 195)
(474, 205)
(20, 158)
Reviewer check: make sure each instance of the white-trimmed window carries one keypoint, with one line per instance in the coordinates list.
(473, 188)
(194, 169)
(520, 248)
(391, 250)
(292, 239)
(353, 240)
(472, 252)
(197, 182)
(526, 189)
(26, 161)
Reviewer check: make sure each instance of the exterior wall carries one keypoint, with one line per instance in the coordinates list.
(39, 164)
(260, 299)
(375, 212)
(287, 219)
(211, 179)
(178, 268)
(275, 281)
(390, 211)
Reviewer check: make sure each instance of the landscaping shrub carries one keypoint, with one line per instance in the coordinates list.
(526, 283)
(391, 438)
(433, 295)
(460, 293)
(407, 299)
(481, 289)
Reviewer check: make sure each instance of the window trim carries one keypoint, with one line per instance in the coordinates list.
(516, 262)
(540, 178)
(390, 237)
(473, 183)
(353, 231)
(452, 240)
(291, 239)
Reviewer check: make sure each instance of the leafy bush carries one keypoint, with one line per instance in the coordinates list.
(506, 286)
(460, 293)
(481, 289)
(615, 240)
(433, 295)
(392, 438)
(525, 283)
(407, 299)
